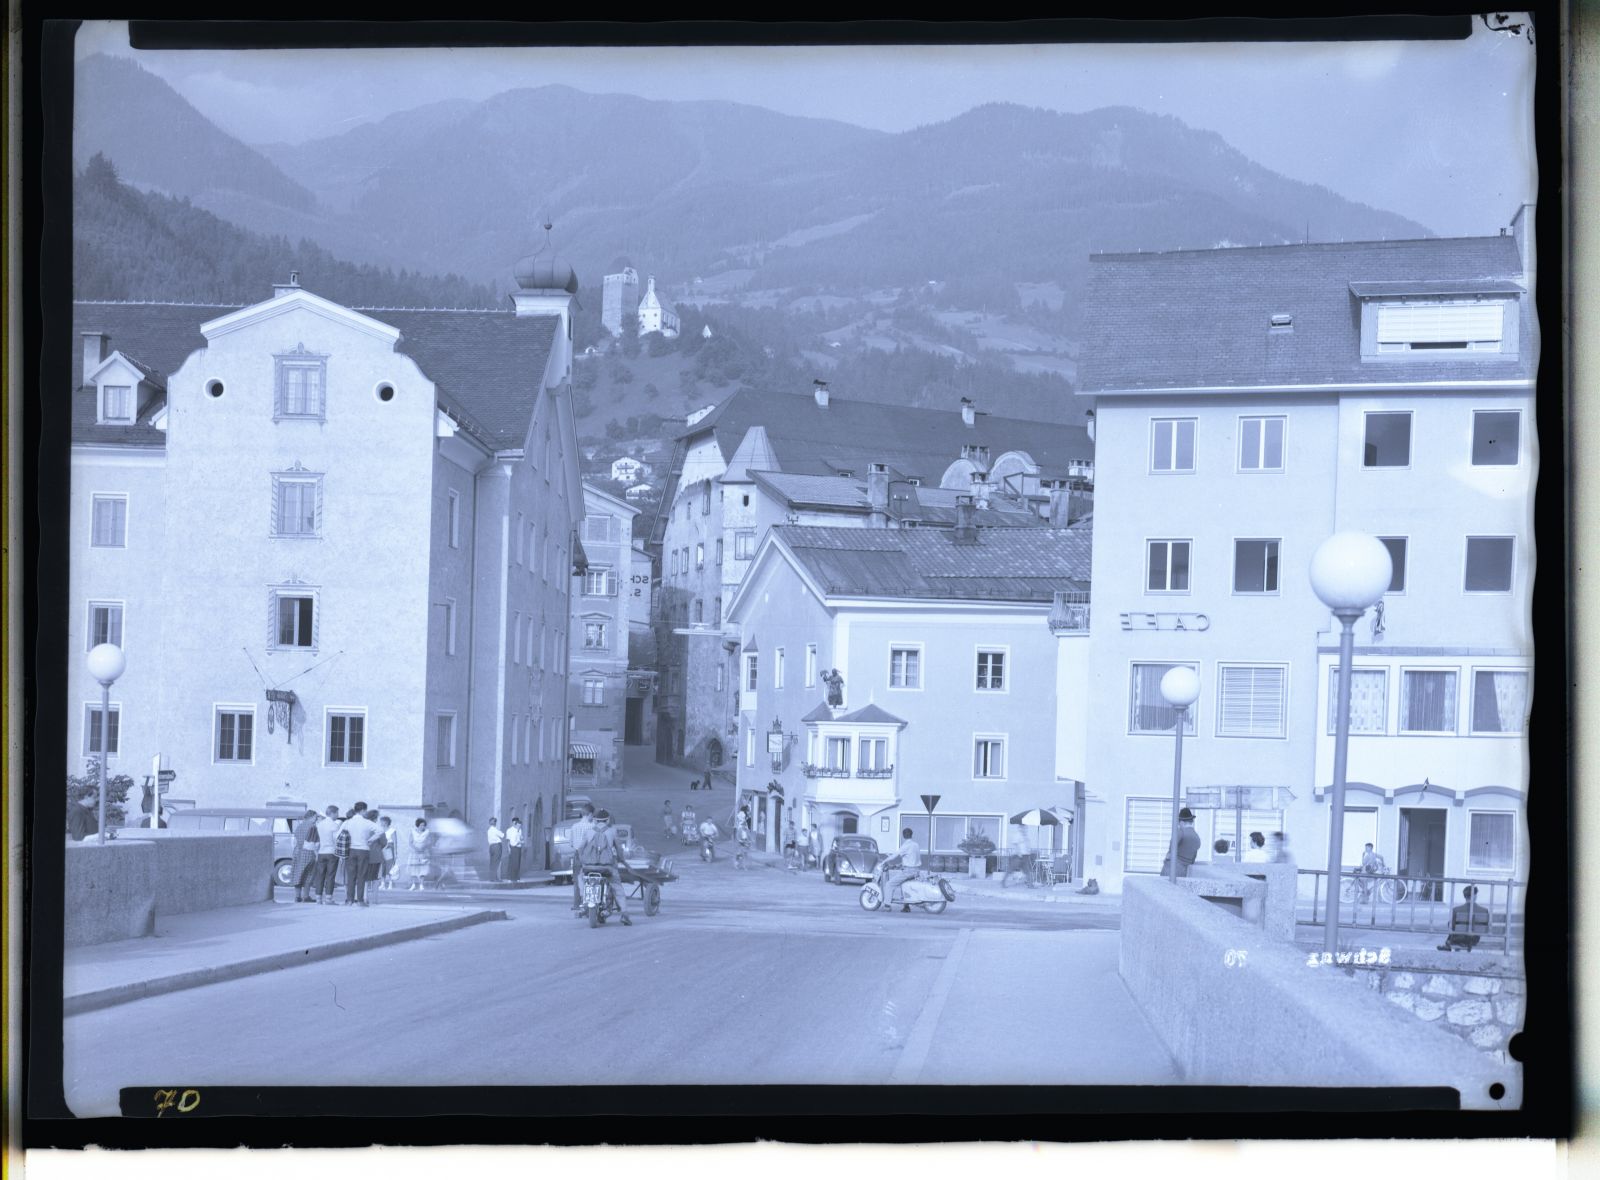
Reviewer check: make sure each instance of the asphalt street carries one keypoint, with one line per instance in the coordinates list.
(762, 976)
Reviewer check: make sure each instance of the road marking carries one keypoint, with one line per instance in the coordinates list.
(921, 1038)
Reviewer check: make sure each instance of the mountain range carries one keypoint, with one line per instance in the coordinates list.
(998, 196)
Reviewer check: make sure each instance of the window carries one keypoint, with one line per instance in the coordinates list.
(235, 729)
(716, 611)
(705, 497)
(1494, 437)
(294, 616)
(1470, 327)
(905, 667)
(533, 546)
(594, 636)
(700, 555)
(1172, 444)
(811, 664)
(744, 544)
(1427, 701)
(445, 741)
(1250, 700)
(752, 678)
(838, 753)
(1261, 444)
(347, 734)
(449, 626)
(722, 677)
(600, 582)
(872, 754)
(116, 403)
(989, 757)
(91, 730)
(296, 505)
(109, 529)
(599, 528)
(453, 499)
(1369, 700)
(1397, 563)
(1167, 567)
(1490, 841)
(516, 637)
(949, 830)
(777, 668)
(991, 671)
(1388, 440)
(719, 550)
(749, 747)
(105, 624)
(300, 378)
(1148, 711)
(1499, 701)
(594, 691)
(516, 541)
(1255, 567)
(1488, 565)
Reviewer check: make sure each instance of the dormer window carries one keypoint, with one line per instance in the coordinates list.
(301, 378)
(1440, 327)
(116, 403)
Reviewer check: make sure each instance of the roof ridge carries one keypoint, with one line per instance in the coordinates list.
(1127, 255)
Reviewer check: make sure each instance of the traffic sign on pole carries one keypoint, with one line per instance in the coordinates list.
(930, 802)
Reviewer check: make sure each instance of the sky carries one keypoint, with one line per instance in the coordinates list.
(1440, 132)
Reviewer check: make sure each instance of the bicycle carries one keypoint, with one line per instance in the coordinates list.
(1361, 887)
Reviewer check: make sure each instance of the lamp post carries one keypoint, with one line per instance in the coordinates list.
(106, 663)
(1180, 687)
(1349, 571)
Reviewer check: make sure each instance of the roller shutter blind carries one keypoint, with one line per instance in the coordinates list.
(1251, 701)
(1445, 324)
(1147, 836)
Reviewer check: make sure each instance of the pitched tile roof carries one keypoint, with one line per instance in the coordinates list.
(872, 715)
(847, 435)
(753, 454)
(822, 491)
(926, 505)
(1005, 565)
(486, 365)
(1200, 317)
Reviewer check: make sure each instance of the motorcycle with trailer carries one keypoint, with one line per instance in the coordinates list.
(927, 890)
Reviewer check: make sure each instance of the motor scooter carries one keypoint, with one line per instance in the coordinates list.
(927, 890)
(600, 898)
(708, 845)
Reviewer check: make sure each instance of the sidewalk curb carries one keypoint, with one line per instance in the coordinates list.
(1113, 903)
(110, 997)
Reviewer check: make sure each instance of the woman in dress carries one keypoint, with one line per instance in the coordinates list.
(304, 868)
(421, 854)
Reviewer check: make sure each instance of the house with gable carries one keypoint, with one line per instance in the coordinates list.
(759, 459)
(1251, 402)
(334, 544)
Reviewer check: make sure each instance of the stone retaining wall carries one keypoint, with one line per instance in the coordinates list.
(1483, 1009)
(110, 892)
(116, 890)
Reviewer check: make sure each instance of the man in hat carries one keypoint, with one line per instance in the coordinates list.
(1188, 845)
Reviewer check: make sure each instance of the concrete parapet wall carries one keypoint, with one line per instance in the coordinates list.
(110, 892)
(1235, 1006)
(1276, 914)
(207, 870)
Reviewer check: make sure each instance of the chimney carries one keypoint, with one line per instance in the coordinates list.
(1060, 512)
(981, 488)
(284, 288)
(821, 392)
(1088, 423)
(878, 495)
(966, 532)
(94, 351)
(969, 412)
(1522, 230)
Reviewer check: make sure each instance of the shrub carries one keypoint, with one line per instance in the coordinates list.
(117, 788)
(976, 845)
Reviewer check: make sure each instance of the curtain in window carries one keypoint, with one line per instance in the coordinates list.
(1499, 702)
(1489, 846)
(1149, 712)
(110, 519)
(1428, 702)
(948, 832)
(1369, 700)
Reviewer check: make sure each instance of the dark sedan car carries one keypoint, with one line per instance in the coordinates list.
(853, 857)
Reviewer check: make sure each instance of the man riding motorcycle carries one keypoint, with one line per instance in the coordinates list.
(909, 860)
(599, 854)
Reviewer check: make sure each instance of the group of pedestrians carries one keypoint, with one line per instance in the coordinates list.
(505, 850)
(365, 843)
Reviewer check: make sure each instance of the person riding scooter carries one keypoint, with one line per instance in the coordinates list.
(708, 839)
(909, 860)
(600, 854)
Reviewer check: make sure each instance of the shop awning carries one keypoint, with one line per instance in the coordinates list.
(582, 752)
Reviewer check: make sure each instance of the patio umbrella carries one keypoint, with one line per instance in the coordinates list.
(1038, 818)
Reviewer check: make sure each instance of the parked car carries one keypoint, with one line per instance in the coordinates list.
(851, 857)
(575, 804)
(279, 822)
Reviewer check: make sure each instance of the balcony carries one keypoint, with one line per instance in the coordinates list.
(1069, 613)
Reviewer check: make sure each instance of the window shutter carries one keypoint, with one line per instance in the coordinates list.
(1444, 324)
(1149, 835)
(1252, 702)
(277, 506)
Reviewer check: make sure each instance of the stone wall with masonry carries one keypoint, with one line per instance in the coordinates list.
(1483, 1007)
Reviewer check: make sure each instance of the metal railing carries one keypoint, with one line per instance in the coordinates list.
(1491, 918)
(1069, 612)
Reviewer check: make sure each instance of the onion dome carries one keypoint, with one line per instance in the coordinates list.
(546, 272)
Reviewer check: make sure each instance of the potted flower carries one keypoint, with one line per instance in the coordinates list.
(977, 847)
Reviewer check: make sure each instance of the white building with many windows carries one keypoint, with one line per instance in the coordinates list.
(335, 545)
(1250, 403)
(601, 597)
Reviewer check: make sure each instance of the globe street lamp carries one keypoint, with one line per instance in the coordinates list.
(106, 663)
(1180, 687)
(1349, 572)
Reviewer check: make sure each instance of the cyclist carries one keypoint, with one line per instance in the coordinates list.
(1371, 866)
(600, 854)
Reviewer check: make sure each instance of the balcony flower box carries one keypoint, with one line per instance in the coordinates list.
(812, 770)
(882, 772)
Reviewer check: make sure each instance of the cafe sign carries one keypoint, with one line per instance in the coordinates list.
(1164, 621)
